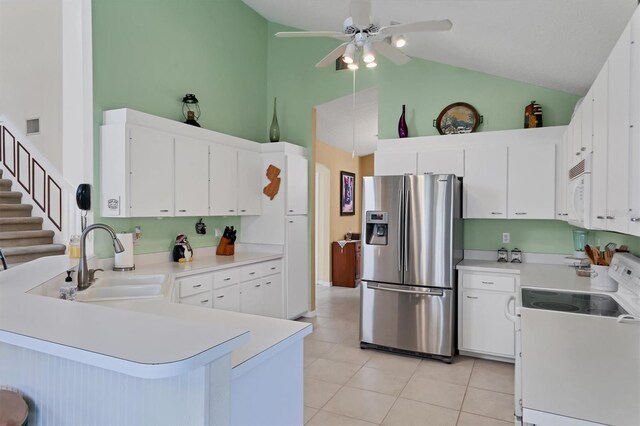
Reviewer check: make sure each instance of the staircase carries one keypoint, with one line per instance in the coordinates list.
(21, 236)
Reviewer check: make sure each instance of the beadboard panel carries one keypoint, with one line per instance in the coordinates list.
(60, 391)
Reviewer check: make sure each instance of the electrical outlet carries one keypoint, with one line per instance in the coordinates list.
(506, 237)
(217, 232)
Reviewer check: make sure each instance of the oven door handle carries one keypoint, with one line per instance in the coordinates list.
(628, 319)
(507, 311)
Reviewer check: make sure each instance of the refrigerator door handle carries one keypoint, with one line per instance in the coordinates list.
(407, 208)
(397, 289)
(400, 229)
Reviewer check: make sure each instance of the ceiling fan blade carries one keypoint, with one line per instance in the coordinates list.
(331, 57)
(414, 27)
(331, 34)
(361, 13)
(391, 53)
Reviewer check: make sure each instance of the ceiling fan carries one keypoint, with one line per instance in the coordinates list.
(361, 33)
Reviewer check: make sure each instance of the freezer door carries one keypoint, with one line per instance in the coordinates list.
(428, 230)
(382, 212)
(413, 319)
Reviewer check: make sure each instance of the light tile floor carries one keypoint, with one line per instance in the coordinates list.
(345, 385)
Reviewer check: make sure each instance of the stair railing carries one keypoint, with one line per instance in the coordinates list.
(41, 184)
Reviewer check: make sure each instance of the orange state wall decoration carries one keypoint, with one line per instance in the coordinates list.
(274, 182)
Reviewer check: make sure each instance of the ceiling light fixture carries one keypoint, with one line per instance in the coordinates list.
(349, 54)
(372, 65)
(367, 53)
(353, 66)
(398, 40)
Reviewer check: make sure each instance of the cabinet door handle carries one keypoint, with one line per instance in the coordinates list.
(227, 279)
(583, 148)
(599, 217)
(220, 297)
(565, 214)
(231, 211)
(268, 283)
(488, 282)
(496, 212)
(273, 268)
(472, 297)
(578, 153)
(204, 301)
(257, 285)
(164, 211)
(197, 286)
(243, 210)
(635, 219)
(290, 211)
(611, 217)
(182, 211)
(521, 213)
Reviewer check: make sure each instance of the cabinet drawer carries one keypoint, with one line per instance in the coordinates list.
(270, 268)
(489, 282)
(203, 299)
(227, 298)
(251, 272)
(194, 285)
(226, 277)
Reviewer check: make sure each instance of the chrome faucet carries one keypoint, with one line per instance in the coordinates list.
(86, 275)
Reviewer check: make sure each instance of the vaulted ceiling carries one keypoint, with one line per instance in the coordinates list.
(559, 44)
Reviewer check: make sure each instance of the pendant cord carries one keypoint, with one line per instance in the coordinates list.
(353, 152)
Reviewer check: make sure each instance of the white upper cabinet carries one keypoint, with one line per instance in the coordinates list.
(619, 134)
(531, 192)
(599, 160)
(394, 163)
(634, 170)
(449, 161)
(297, 184)
(223, 172)
(575, 151)
(249, 183)
(562, 178)
(586, 125)
(191, 177)
(485, 183)
(151, 173)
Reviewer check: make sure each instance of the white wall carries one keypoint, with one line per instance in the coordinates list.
(31, 70)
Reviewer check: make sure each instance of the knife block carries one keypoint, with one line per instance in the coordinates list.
(225, 248)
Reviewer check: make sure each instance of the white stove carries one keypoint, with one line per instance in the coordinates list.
(578, 353)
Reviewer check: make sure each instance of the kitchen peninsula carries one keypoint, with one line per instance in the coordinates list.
(147, 360)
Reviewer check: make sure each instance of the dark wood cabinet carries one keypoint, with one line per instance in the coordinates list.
(346, 264)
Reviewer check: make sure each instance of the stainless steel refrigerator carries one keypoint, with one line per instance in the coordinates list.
(412, 242)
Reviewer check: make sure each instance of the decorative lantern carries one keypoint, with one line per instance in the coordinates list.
(191, 109)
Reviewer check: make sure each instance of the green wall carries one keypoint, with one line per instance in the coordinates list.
(148, 53)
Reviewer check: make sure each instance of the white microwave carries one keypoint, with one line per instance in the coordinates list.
(579, 194)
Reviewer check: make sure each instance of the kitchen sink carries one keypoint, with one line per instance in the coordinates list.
(127, 287)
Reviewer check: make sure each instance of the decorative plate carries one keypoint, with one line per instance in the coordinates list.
(456, 118)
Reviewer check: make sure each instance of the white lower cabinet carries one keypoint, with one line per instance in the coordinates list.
(255, 289)
(251, 297)
(482, 326)
(227, 299)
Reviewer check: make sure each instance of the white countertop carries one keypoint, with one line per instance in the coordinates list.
(147, 338)
(558, 277)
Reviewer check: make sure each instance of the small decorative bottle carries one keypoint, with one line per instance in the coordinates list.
(403, 132)
(274, 130)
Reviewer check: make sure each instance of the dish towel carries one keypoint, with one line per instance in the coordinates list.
(342, 243)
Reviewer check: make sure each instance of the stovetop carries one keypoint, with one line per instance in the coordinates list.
(579, 303)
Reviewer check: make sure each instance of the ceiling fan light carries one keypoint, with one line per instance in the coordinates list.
(349, 53)
(372, 65)
(367, 55)
(353, 66)
(398, 40)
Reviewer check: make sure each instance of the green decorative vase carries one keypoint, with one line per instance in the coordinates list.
(274, 130)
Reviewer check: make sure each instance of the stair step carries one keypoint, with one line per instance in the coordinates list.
(5, 185)
(15, 210)
(10, 197)
(25, 238)
(25, 254)
(8, 224)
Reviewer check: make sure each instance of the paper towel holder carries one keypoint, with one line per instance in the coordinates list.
(129, 246)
